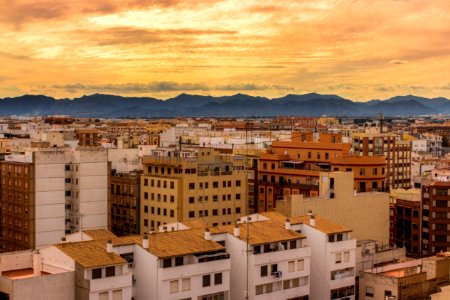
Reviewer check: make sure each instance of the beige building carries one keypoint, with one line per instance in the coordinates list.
(414, 279)
(182, 185)
(396, 151)
(367, 214)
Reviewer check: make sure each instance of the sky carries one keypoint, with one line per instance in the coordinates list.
(358, 49)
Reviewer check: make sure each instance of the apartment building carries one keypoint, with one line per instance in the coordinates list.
(124, 203)
(277, 262)
(405, 215)
(396, 151)
(183, 185)
(435, 217)
(51, 192)
(413, 279)
(293, 167)
(333, 258)
(366, 213)
(88, 137)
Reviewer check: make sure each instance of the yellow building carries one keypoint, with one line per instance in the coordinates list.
(183, 185)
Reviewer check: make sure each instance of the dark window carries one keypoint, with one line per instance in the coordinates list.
(273, 268)
(264, 271)
(192, 214)
(217, 278)
(167, 263)
(179, 261)
(191, 186)
(206, 280)
(191, 199)
(238, 210)
(110, 271)
(96, 273)
(238, 183)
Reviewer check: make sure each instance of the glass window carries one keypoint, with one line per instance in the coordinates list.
(206, 280)
(174, 286)
(217, 278)
(96, 273)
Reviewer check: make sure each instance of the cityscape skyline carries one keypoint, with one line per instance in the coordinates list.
(357, 49)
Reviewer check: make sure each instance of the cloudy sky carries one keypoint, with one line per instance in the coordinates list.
(360, 49)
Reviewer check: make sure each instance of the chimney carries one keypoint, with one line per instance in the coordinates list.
(109, 246)
(287, 224)
(63, 240)
(145, 242)
(312, 221)
(37, 264)
(237, 231)
(207, 234)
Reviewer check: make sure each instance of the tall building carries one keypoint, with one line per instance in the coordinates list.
(51, 192)
(396, 151)
(124, 203)
(183, 185)
(405, 221)
(435, 217)
(293, 167)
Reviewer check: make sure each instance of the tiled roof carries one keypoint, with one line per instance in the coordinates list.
(261, 232)
(91, 254)
(174, 243)
(100, 234)
(322, 224)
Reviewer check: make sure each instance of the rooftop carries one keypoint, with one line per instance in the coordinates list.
(91, 254)
(261, 232)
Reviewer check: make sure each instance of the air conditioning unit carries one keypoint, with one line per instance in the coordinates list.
(277, 274)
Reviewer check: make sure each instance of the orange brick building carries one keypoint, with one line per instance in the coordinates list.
(292, 167)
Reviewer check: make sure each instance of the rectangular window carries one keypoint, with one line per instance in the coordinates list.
(167, 263)
(206, 280)
(346, 256)
(259, 289)
(96, 273)
(238, 183)
(185, 284)
(338, 258)
(291, 266)
(300, 265)
(192, 186)
(264, 271)
(179, 261)
(174, 286)
(217, 278)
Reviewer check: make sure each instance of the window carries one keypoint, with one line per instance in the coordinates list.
(215, 212)
(346, 256)
(217, 278)
(215, 184)
(331, 238)
(338, 258)
(167, 262)
(273, 268)
(264, 271)
(369, 291)
(185, 284)
(291, 266)
(191, 199)
(172, 185)
(192, 186)
(174, 286)
(259, 289)
(238, 183)
(375, 171)
(300, 265)
(145, 208)
(238, 210)
(179, 261)
(206, 280)
(145, 182)
(96, 273)
(238, 196)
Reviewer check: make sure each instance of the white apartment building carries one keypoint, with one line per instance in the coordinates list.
(333, 257)
(274, 264)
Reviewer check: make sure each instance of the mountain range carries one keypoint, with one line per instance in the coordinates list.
(112, 106)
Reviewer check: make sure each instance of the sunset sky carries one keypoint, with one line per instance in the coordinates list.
(359, 49)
